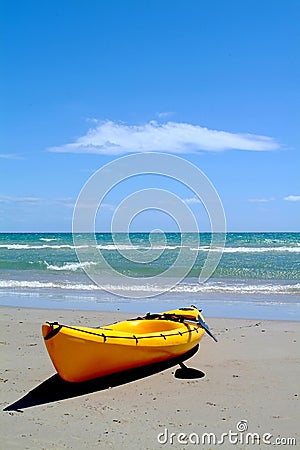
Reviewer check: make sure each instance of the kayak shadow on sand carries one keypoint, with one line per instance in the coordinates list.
(55, 388)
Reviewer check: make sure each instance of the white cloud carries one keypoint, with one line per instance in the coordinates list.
(15, 199)
(117, 138)
(292, 198)
(164, 114)
(95, 206)
(289, 198)
(10, 156)
(92, 120)
(261, 200)
(192, 200)
(107, 206)
(18, 199)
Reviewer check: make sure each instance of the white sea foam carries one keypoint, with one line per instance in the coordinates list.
(136, 247)
(39, 247)
(240, 288)
(126, 247)
(70, 266)
(46, 285)
(48, 239)
(113, 247)
(206, 248)
(192, 288)
(26, 284)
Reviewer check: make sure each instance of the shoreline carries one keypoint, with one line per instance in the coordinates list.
(125, 314)
(230, 306)
(250, 375)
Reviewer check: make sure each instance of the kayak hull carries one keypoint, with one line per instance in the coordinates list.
(81, 353)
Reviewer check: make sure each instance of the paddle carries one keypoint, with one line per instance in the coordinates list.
(206, 328)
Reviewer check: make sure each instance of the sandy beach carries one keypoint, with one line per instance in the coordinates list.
(247, 384)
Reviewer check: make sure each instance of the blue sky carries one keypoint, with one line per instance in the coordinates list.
(214, 82)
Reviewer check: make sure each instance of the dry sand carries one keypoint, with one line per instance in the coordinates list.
(251, 374)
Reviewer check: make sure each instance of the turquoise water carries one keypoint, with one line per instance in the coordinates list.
(258, 274)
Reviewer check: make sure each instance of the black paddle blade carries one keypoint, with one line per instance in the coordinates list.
(207, 329)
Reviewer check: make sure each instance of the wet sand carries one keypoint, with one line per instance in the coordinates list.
(247, 383)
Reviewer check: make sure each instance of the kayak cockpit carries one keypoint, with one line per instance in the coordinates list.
(146, 326)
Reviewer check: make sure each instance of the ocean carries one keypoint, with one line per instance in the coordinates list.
(258, 275)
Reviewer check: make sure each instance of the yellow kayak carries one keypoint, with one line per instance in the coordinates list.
(81, 353)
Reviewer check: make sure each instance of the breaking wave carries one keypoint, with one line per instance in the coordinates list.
(188, 288)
